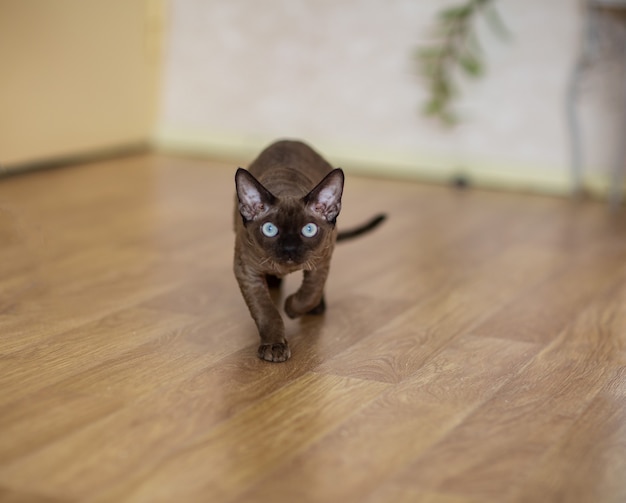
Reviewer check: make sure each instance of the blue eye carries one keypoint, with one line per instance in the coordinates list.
(309, 230)
(269, 229)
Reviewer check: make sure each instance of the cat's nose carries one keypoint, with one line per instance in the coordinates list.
(290, 252)
(290, 244)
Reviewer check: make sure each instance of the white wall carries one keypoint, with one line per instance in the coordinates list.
(340, 74)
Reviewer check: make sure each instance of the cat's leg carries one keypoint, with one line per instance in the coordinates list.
(309, 299)
(253, 286)
(319, 309)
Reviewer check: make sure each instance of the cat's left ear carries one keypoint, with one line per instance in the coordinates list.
(325, 198)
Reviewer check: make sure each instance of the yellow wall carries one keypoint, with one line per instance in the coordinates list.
(76, 76)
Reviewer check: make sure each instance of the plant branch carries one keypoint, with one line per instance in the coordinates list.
(456, 48)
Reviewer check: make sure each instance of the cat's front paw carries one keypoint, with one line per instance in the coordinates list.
(319, 309)
(276, 352)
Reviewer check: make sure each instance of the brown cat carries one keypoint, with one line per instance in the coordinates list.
(287, 206)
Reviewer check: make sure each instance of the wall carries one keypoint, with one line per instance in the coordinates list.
(340, 74)
(77, 76)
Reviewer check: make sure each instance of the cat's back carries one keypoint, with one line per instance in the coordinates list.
(288, 166)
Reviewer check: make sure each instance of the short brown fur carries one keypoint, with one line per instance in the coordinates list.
(289, 187)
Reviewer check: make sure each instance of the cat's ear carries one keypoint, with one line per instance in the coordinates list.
(325, 198)
(254, 199)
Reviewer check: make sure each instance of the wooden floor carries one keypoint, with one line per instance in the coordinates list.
(473, 350)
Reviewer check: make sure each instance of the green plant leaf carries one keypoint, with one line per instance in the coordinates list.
(457, 12)
(471, 65)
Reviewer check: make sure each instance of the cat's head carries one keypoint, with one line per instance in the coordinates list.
(291, 231)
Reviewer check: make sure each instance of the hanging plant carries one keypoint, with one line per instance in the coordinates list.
(455, 49)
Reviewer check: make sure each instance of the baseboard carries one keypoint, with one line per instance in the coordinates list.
(111, 152)
(371, 161)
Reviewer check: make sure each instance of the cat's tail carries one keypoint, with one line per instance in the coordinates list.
(362, 229)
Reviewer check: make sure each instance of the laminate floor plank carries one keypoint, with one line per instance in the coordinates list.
(71, 354)
(42, 418)
(541, 312)
(410, 416)
(450, 308)
(10, 496)
(183, 407)
(233, 452)
(473, 348)
(531, 413)
(587, 463)
(260, 440)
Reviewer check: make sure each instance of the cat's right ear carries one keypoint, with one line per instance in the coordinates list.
(254, 199)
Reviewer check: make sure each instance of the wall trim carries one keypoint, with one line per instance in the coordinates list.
(372, 161)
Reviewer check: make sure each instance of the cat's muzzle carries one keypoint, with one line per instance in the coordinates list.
(291, 254)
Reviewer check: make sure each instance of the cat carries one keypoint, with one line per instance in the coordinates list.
(286, 211)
